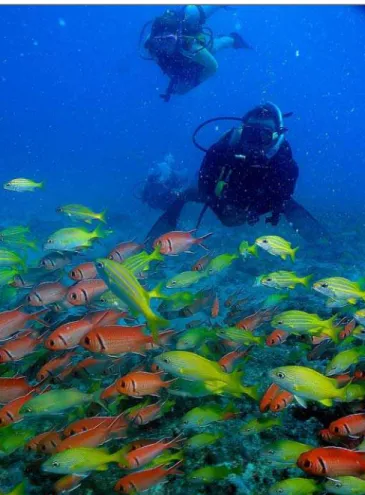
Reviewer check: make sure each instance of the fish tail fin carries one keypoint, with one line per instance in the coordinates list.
(253, 250)
(156, 322)
(252, 392)
(119, 455)
(41, 185)
(98, 233)
(102, 215)
(307, 280)
(199, 240)
(175, 469)
(156, 254)
(293, 253)
(156, 292)
(174, 443)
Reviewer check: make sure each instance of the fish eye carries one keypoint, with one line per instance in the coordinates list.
(87, 340)
(307, 463)
(336, 429)
(324, 285)
(73, 296)
(173, 282)
(73, 273)
(43, 447)
(55, 464)
(264, 241)
(280, 374)
(28, 409)
(99, 264)
(271, 452)
(49, 241)
(269, 279)
(338, 484)
(280, 322)
(123, 383)
(110, 257)
(51, 343)
(166, 360)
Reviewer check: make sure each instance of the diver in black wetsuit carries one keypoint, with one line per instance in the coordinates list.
(184, 48)
(249, 172)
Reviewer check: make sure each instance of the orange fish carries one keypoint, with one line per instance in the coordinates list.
(276, 337)
(281, 401)
(51, 368)
(86, 424)
(55, 261)
(202, 263)
(12, 388)
(143, 480)
(116, 339)
(347, 331)
(178, 242)
(93, 437)
(227, 362)
(359, 375)
(268, 397)
(327, 436)
(343, 379)
(46, 442)
(17, 349)
(144, 455)
(14, 320)
(332, 462)
(46, 293)
(110, 391)
(146, 414)
(141, 383)
(85, 271)
(351, 426)
(124, 250)
(85, 291)
(255, 320)
(215, 308)
(67, 484)
(10, 412)
(68, 335)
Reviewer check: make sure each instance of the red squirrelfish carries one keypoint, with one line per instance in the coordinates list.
(178, 242)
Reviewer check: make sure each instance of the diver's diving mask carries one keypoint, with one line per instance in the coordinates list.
(258, 136)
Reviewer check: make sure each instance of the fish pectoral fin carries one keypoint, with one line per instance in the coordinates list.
(283, 256)
(352, 300)
(301, 401)
(326, 402)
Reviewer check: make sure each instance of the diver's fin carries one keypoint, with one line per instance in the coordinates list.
(304, 223)
(166, 222)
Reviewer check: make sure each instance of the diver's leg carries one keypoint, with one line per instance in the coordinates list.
(195, 16)
(222, 42)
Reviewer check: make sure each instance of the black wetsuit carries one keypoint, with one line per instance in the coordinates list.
(239, 190)
(251, 185)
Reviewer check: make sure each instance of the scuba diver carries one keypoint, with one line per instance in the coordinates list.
(184, 48)
(163, 185)
(248, 173)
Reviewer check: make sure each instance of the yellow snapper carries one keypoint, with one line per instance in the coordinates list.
(296, 486)
(277, 246)
(284, 280)
(307, 384)
(300, 322)
(345, 485)
(257, 425)
(82, 460)
(245, 250)
(203, 439)
(81, 212)
(201, 416)
(191, 366)
(220, 263)
(73, 238)
(23, 185)
(210, 474)
(284, 452)
(340, 288)
(11, 259)
(343, 360)
(185, 279)
(127, 288)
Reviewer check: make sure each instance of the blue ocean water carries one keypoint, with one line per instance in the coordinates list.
(81, 110)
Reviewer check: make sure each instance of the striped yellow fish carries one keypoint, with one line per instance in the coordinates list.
(277, 246)
(23, 185)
